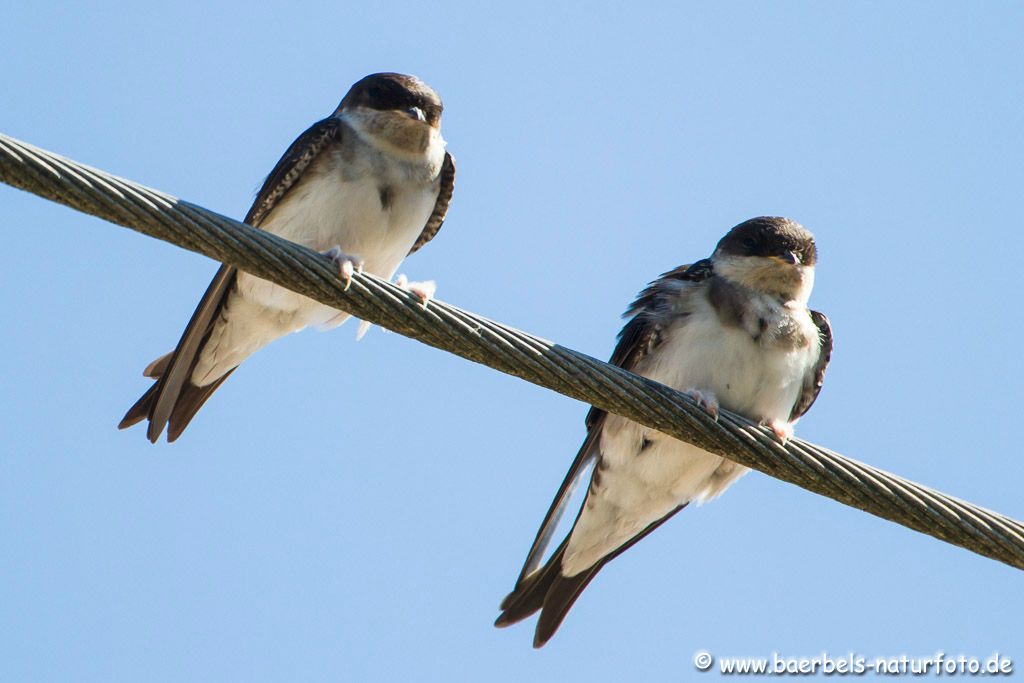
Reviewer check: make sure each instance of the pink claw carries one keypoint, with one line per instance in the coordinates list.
(348, 264)
(783, 430)
(424, 291)
(706, 400)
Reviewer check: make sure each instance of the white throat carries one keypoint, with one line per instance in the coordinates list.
(396, 134)
(767, 276)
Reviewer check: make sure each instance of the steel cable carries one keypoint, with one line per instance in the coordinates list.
(511, 351)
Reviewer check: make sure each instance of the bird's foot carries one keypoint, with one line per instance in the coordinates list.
(706, 400)
(424, 291)
(348, 264)
(783, 430)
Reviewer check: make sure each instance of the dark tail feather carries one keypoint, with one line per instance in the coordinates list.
(173, 400)
(560, 598)
(140, 411)
(186, 404)
(553, 594)
(528, 595)
(546, 590)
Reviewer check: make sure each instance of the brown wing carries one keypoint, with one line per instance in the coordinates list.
(173, 398)
(639, 336)
(642, 334)
(444, 198)
(816, 376)
(296, 159)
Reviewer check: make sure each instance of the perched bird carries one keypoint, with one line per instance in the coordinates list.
(733, 331)
(367, 186)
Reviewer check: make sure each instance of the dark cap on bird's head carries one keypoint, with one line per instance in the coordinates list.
(771, 255)
(771, 236)
(396, 92)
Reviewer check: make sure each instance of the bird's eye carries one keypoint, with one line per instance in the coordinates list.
(375, 92)
(748, 243)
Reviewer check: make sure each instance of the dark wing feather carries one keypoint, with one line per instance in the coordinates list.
(638, 337)
(641, 335)
(588, 451)
(296, 159)
(816, 376)
(444, 198)
(173, 398)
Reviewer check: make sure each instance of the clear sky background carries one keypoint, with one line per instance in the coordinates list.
(355, 511)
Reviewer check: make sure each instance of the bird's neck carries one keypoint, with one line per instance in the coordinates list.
(758, 277)
(396, 134)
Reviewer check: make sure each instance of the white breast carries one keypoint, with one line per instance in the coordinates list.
(758, 380)
(340, 205)
(336, 203)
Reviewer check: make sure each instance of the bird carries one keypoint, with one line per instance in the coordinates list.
(366, 186)
(733, 331)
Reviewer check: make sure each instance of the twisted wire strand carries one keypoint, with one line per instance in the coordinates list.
(512, 351)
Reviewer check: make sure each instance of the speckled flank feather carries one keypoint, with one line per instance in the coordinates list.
(814, 380)
(444, 198)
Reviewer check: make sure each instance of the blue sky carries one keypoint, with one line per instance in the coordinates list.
(355, 511)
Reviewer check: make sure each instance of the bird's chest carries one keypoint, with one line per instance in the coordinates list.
(755, 365)
(370, 205)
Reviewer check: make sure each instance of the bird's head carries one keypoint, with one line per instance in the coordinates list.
(772, 255)
(401, 111)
